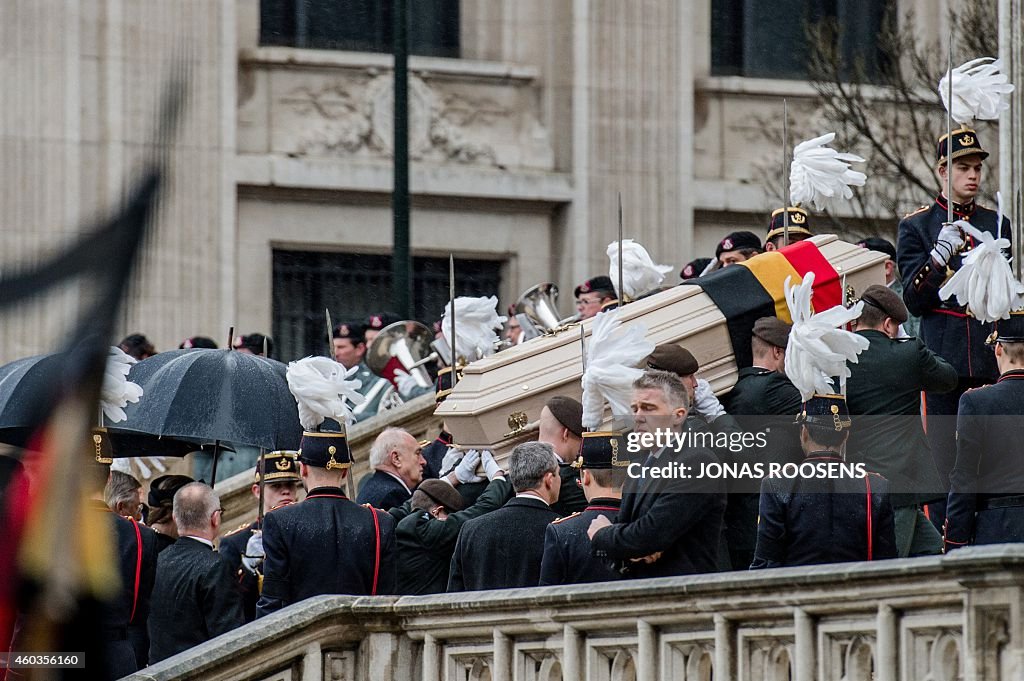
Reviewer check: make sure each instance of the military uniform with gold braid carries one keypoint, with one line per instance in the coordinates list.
(568, 558)
(946, 327)
(279, 466)
(327, 544)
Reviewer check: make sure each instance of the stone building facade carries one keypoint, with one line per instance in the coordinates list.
(279, 205)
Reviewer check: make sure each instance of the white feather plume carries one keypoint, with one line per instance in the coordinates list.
(980, 91)
(476, 320)
(819, 173)
(612, 357)
(322, 390)
(117, 390)
(985, 281)
(640, 274)
(818, 347)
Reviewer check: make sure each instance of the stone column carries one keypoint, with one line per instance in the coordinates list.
(1011, 124)
(83, 81)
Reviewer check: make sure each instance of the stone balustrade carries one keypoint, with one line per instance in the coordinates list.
(941, 618)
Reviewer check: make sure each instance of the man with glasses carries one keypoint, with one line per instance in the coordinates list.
(593, 295)
(194, 597)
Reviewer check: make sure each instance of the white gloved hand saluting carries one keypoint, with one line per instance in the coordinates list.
(948, 244)
(405, 382)
(491, 467)
(466, 470)
(254, 553)
(705, 402)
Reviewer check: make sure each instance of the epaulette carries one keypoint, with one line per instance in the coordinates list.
(243, 526)
(562, 520)
(915, 212)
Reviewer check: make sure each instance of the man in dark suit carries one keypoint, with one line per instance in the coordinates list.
(243, 554)
(397, 469)
(884, 393)
(927, 252)
(123, 617)
(568, 558)
(820, 515)
(503, 549)
(426, 537)
(327, 544)
(667, 525)
(986, 496)
(561, 426)
(194, 598)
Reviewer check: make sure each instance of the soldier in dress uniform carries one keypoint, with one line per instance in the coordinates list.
(927, 252)
(986, 496)
(561, 426)
(349, 351)
(244, 556)
(568, 557)
(593, 296)
(799, 227)
(737, 247)
(884, 392)
(426, 537)
(816, 518)
(911, 327)
(328, 544)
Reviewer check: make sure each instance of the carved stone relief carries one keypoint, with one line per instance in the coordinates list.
(770, 660)
(692, 661)
(849, 657)
(934, 654)
(539, 665)
(470, 668)
(349, 114)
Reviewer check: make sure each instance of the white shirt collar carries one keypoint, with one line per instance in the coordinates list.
(201, 540)
(530, 495)
(396, 478)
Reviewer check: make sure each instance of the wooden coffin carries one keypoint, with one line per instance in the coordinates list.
(498, 400)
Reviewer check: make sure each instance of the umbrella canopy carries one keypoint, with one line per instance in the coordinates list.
(27, 386)
(26, 390)
(209, 395)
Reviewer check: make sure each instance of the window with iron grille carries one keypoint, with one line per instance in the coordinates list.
(359, 25)
(354, 286)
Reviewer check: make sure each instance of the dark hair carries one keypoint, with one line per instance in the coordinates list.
(609, 477)
(871, 316)
(254, 344)
(826, 437)
(198, 342)
(137, 345)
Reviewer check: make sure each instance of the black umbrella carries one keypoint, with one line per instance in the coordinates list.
(25, 390)
(214, 395)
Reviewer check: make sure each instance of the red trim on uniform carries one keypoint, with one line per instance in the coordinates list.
(805, 257)
(376, 557)
(970, 369)
(951, 313)
(1008, 375)
(138, 567)
(871, 547)
(960, 214)
(927, 509)
(326, 496)
(602, 508)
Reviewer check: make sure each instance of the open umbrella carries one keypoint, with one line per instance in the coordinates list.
(24, 389)
(214, 395)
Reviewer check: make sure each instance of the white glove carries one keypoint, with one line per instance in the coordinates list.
(254, 553)
(705, 402)
(406, 383)
(466, 470)
(948, 244)
(450, 460)
(491, 467)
